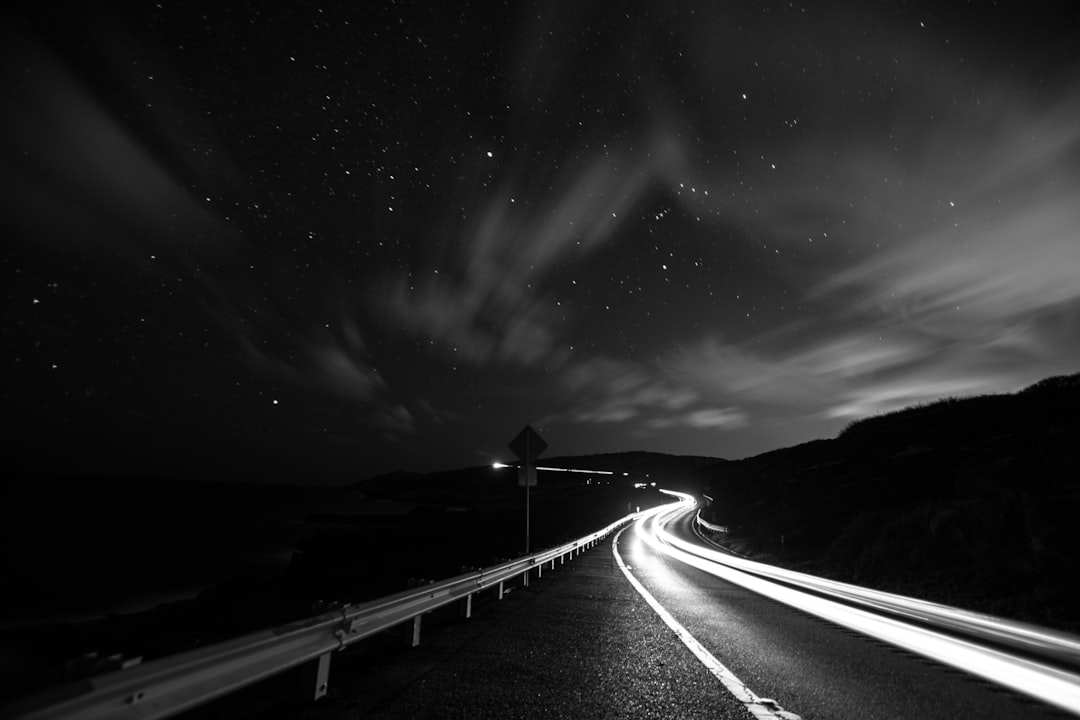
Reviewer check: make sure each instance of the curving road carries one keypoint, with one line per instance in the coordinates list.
(786, 662)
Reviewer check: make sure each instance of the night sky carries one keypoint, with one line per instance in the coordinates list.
(322, 243)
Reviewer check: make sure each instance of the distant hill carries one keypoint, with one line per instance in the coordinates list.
(966, 500)
(638, 464)
(483, 485)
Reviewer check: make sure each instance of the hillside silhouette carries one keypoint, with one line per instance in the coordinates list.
(969, 501)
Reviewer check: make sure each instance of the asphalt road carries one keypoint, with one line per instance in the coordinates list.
(809, 666)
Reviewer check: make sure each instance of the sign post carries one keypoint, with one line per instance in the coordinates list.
(527, 446)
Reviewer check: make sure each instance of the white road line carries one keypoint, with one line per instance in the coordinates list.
(761, 708)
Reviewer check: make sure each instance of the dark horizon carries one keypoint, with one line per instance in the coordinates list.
(90, 459)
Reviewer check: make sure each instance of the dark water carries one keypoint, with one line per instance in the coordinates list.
(76, 549)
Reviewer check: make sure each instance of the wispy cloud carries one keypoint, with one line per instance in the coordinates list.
(644, 397)
(607, 390)
(321, 366)
(340, 373)
(720, 371)
(82, 180)
(74, 174)
(486, 304)
(948, 268)
(1001, 237)
(883, 397)
(395, 419)
(848, 373)
(722, 418)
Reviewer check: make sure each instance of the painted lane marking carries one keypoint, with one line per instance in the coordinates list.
(761, 708)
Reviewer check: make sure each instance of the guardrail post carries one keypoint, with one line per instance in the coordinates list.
(412, 631)
(540, 571)
(319, 672)
(466, 606)
(552, 563)
(525, 578)
(499, 591)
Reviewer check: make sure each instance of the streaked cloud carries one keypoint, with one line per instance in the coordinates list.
(342, 374)
(645, 398)
(608, 390)
(884, 397)
(486, 303)
(721, 371)
(722, 418)
(325, 368)
(395, 419)
(947, 269)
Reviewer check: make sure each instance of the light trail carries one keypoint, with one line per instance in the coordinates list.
(499, 466)
(1049, 684)
(760, 708)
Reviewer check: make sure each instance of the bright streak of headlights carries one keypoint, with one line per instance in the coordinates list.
(1032, 639)
(1049, 684)
(500, 466)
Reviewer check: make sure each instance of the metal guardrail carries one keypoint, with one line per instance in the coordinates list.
(708, 525)
(1032, 640)
(170, 685)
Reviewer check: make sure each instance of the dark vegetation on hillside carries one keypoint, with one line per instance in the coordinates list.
(968, 501)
